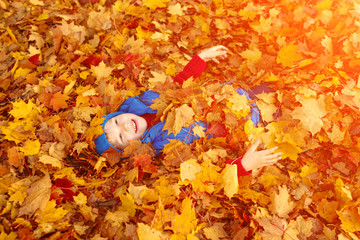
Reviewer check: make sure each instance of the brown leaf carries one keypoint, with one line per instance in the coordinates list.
(38, 196)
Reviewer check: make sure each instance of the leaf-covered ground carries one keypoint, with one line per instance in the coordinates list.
(65, 64)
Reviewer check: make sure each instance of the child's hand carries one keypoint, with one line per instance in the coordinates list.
(254, 159)
(213, 52)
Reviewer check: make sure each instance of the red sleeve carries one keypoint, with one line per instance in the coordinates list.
(240, 169)
(193, 69)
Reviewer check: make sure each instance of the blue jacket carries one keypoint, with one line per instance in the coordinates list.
(140, 105)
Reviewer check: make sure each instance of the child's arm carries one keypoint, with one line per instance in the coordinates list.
(198, 63)
(254, 159)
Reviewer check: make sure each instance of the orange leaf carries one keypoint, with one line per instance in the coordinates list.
(288, 55)
(16, 158)
(58, 101)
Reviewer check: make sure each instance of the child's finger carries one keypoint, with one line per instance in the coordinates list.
(269, 151)
(215, 60)
(273, 157)
(254, 146)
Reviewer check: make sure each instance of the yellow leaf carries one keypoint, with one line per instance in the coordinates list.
(30, 147)
(21, 72)
(100, 164)
(189, 169)
(238, 104)
(24, 110)
(230, 179)
(18, 197)
(153, 4)
(186, 222)
(46, 159)
(288, 55)
(252, 55)
(12, 36)
(282, 204)
(267, 110)
(145, 232)
(215, 232)
(326, 210)
(79, 146)
(84, 74)
(336, 135)
(176, 10)
(42, 16)
(199, 131)
(171, 70)
(350, 218)
(101, 71)
(122, 5)
(128, 204)
(305, 63)
(143, 34)
(324, 5)
(80, 199)
(117, 218)
(311, 113)
(157, 78)
(37, 2)
(161, 36)
(51, 214)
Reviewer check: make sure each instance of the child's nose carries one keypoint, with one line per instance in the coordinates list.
(127, 127)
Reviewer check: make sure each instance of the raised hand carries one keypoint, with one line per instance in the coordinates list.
(254, 159)
(213, 52)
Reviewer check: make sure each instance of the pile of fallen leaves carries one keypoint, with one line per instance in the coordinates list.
(65, 64)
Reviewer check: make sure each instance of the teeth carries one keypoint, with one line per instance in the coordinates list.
(134, 125)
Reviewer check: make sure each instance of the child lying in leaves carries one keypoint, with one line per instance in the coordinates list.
(135, 120)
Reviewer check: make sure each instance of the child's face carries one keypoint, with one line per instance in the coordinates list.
(121, 129)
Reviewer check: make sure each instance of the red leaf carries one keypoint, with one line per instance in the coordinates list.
(35, 59)
(217, 130)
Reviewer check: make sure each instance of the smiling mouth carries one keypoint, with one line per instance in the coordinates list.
(135, 125)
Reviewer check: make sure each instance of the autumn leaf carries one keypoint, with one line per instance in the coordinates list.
(288, 55)
(230, 180)
(282, 204)
(153, 4)
(311, 113)
(58, 101)
(38, 196)
(186, 222)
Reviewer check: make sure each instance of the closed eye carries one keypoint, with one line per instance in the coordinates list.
(121, 138)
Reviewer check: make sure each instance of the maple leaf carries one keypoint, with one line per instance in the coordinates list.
(50, 214)
(144, 161)
(78, 32)
(38, 195)
(186, 222)
(288, 55)
(101, 71)
(24, 110)
(30, 147)
(230, 179)
(252, 55)
(311, 113)
(282, 204)
(58, 101)
(153, 4)
(182, 116)
(189, 169)
(215, 232)
(15, 157)
(46, 159)
(145, 232)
